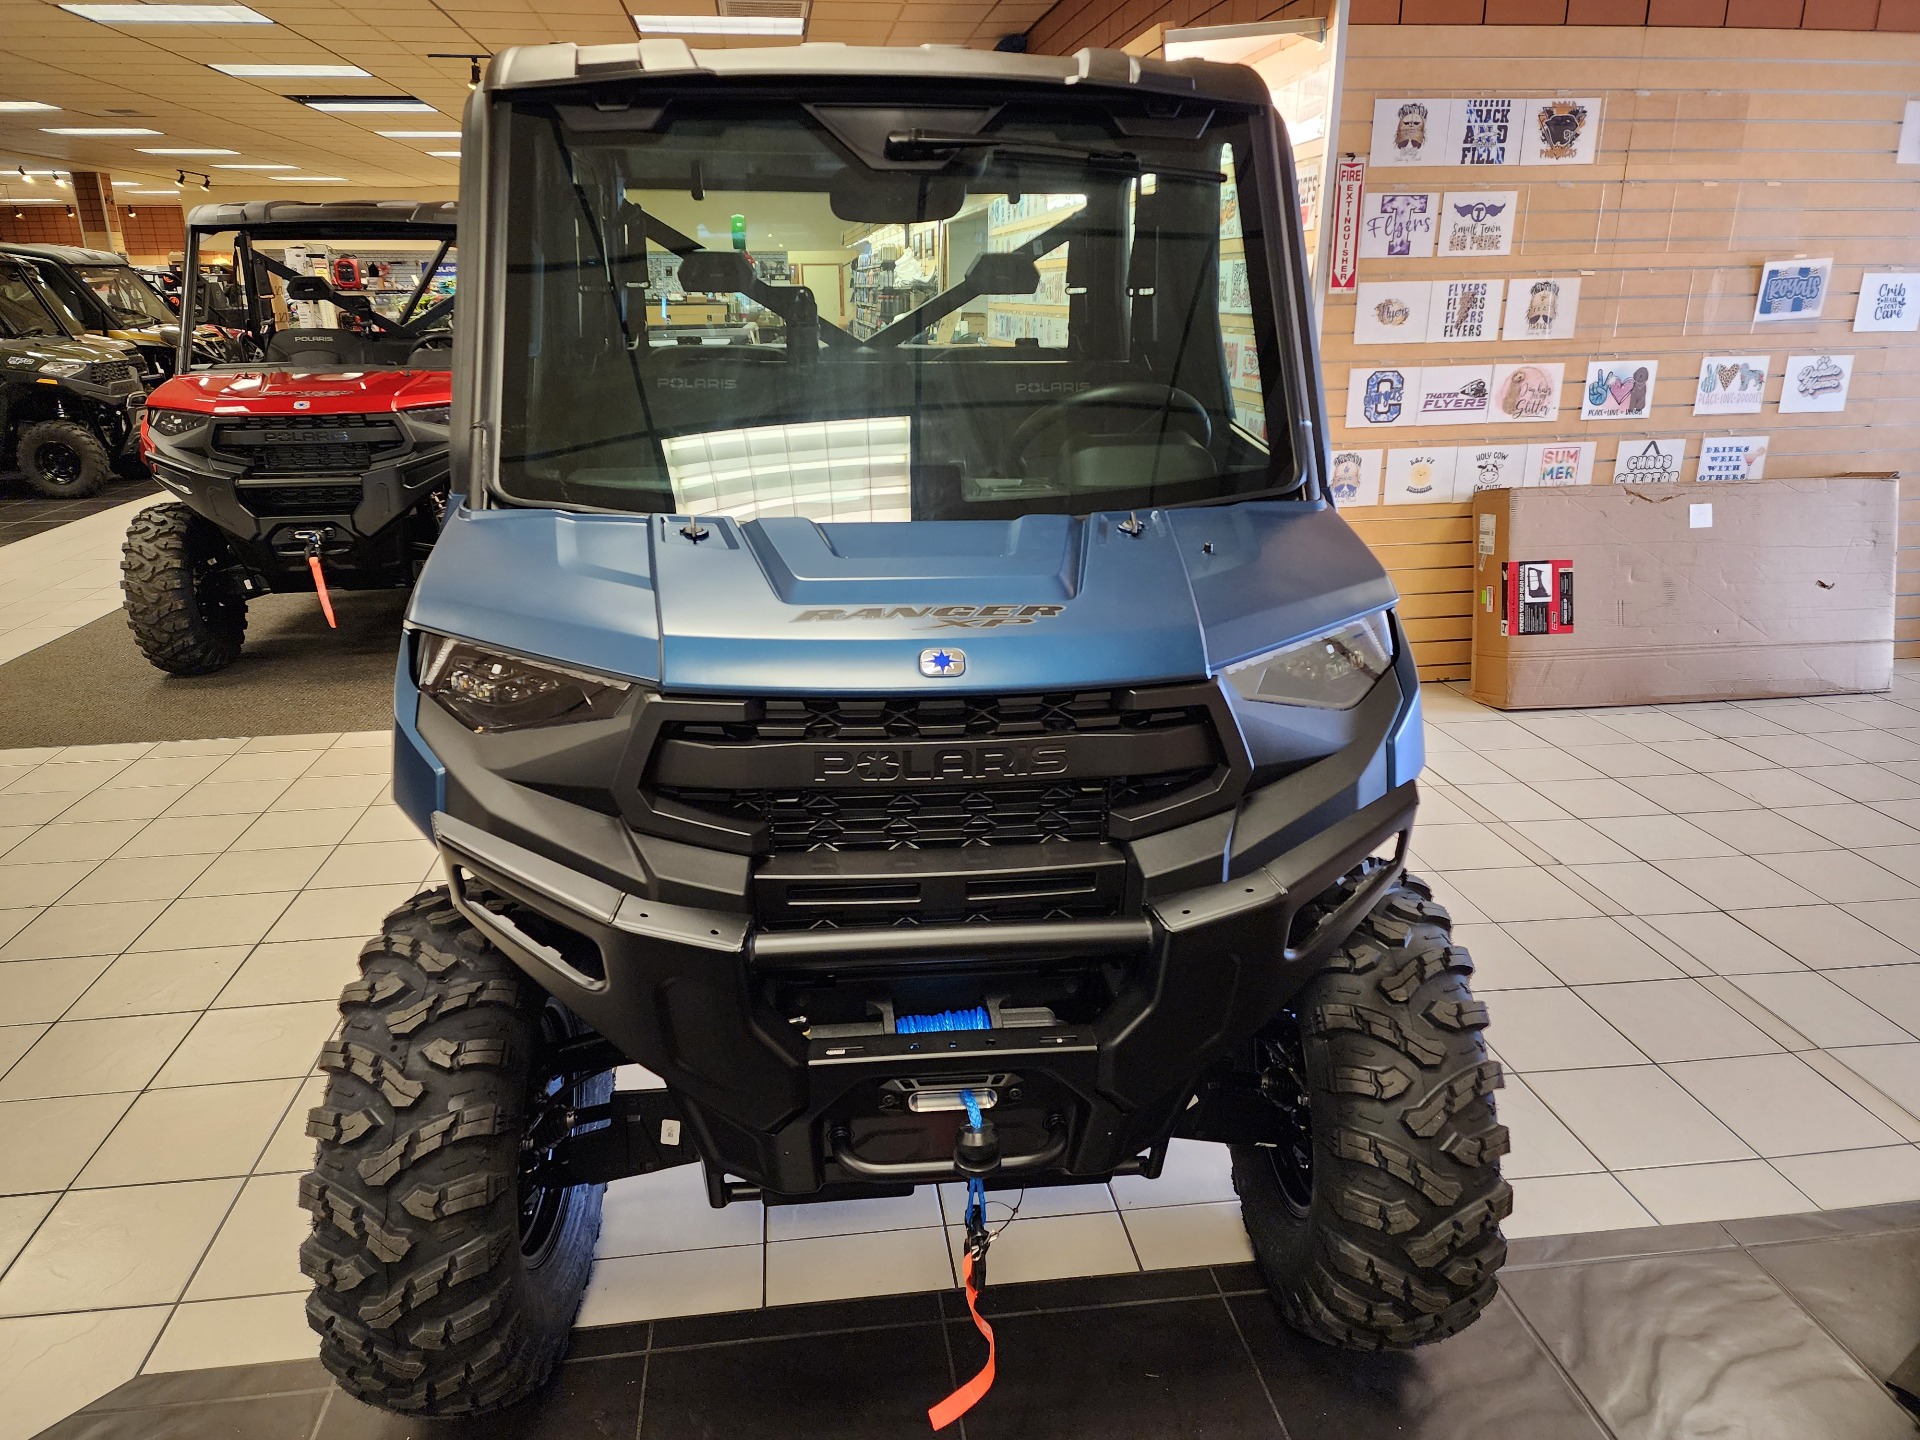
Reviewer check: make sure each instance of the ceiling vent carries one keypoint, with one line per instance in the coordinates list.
(765, 9)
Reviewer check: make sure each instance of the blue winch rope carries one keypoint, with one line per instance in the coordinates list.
(976, 1187)
(974, 1019)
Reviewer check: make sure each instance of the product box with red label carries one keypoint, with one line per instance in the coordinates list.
(1686, 591)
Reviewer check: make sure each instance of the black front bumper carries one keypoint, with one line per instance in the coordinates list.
(1199, 969)
(372, 533)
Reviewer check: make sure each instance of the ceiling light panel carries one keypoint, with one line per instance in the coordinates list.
(182, 150)
(14, 106)
(95, 130)
(364, 104)
(255, 167)
(419, 134)
(309, 179)
(292, 72)
(792, 25)
(169, 14)
(445, 154)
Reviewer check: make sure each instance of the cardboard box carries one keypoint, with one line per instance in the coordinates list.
(1633, 594)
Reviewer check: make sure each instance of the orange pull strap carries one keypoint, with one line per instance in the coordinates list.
(320, 587)
(971, 1393)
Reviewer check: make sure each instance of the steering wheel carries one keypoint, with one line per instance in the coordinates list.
(434, 340)
(1157, 405)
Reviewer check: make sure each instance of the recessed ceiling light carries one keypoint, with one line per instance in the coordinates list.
(285, 72)
(310, 179)
(26, 105)
(419, 134)
(720, 24)
(445, 154)
(363, 104)
(96, 130)
(182, 150)
(169, 14)
(255, 167)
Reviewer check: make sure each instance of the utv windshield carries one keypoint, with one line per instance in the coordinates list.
(372, 302)
(847, 313)
(124, 293)
(21, 310)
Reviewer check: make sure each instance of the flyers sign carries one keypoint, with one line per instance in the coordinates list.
(1343, 256)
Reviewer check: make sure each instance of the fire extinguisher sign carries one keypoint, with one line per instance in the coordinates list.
(1343, 252)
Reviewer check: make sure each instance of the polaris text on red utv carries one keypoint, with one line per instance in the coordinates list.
(317, 463)
(898, 676)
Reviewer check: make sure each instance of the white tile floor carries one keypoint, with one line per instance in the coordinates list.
(57, 581)
(1690, 926)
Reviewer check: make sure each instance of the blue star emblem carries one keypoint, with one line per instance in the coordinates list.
(941, 662)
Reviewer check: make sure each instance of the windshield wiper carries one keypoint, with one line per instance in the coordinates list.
(920, 144)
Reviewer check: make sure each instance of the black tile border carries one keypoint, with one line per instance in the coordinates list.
(619, 1355)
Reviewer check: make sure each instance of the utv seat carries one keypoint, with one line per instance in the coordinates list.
(317, 347)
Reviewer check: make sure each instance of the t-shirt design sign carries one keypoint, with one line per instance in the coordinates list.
(1816, 384)
(1888, 301)
(1527, 392)
(1542, 307)
(1643, 462)
(1398, 224)
(1619, 390)
(1484, 132)
(1792, 290)
(1410, 132)
(1478, 222)
(1732, 457)
(1731, 385)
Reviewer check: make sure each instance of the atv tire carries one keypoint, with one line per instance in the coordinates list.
(444, 1282)
(185, 612)
(1379, 1229)
(63, 459)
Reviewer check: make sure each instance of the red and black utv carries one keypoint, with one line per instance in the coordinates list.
(318, 463)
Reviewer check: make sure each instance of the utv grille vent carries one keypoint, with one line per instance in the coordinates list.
(278, 500)
(802, 820)
(942, 717)
(111, 372)
(308, 444)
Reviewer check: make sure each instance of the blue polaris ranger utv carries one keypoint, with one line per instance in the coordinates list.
(896, 674)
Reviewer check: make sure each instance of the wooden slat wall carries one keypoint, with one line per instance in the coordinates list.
(1719, 149)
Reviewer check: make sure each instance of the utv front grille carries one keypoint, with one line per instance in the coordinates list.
(944, 717)
(799, 820)
(111, 372)
(784, 776)
(277, 500)
(308, 444)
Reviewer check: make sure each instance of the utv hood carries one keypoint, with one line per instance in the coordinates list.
(27, 354)
(271, 390)
(792, 606)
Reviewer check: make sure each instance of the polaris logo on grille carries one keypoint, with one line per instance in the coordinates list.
(920, 764)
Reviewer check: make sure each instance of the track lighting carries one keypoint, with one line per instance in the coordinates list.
(473, 65)
(69, 212)
(179, 177)
(26, 177)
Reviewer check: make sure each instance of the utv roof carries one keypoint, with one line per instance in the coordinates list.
(331, 219)
(62, 254)
(543, 66)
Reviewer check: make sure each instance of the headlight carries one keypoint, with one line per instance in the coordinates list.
(1333, 671)
(64, 368)
(486, 690)
(172, 422)
(436, 415)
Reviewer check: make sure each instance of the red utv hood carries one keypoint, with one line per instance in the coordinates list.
(302, 392)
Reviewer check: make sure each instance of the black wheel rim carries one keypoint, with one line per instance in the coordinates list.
(59, 462)
(552, 1099)
(1283, 1081)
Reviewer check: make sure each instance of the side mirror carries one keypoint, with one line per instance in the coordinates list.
(715, 272)
(999, 274)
